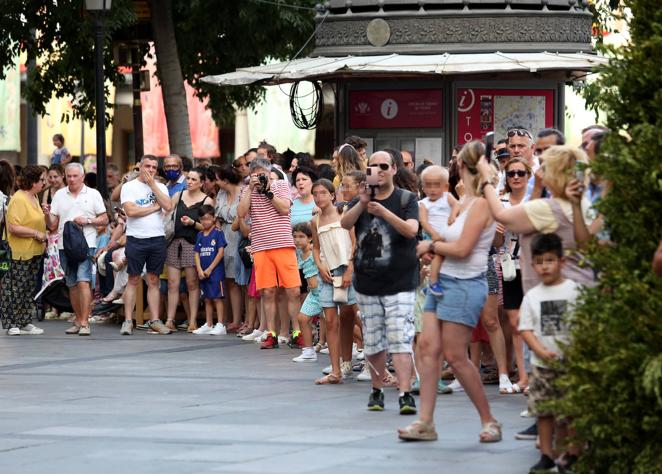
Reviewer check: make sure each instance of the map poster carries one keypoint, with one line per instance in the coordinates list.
(482, 110)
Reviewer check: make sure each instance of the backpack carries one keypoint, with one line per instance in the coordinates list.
(74, 243)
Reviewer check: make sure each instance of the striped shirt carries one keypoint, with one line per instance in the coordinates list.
(269, 229)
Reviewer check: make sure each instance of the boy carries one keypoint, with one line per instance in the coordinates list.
(209, 249)
(543, 324)
(436, 212)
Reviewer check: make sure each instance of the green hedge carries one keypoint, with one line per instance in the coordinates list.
(614, 363)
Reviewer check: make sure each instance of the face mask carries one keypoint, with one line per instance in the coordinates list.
(172, 175)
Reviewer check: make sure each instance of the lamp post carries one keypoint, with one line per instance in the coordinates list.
(99, 9)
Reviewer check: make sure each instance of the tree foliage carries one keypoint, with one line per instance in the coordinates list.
(614, 366)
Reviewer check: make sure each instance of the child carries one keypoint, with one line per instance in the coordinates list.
(333, 248)
(311, 307)
(61, 155)
(436, 212)
(543, 324)
(208, 250)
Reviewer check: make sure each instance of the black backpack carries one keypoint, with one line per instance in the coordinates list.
(74, 243)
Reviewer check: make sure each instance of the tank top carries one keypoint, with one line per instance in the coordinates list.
(335, 244)
(187, 232)
(511, 240)
(475, 263)
(574, 269)
(438, 212)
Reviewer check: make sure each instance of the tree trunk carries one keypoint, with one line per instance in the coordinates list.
(170, 76)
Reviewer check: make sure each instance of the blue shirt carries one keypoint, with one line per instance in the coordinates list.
(301, 212)
(58, 153)
(177, 186)
(207, 246)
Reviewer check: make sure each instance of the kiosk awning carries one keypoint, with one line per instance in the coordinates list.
(321, 68)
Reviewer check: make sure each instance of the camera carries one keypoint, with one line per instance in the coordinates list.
(264, 180)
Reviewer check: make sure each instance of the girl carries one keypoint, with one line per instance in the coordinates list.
(209, 249)
(61, 155)
(333, 248)
(311, 306)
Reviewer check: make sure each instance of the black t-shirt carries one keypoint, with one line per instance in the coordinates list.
(385, 262)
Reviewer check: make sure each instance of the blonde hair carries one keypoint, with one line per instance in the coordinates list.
(469, 155)
(437, 170)
(559, 164)
(513, 161)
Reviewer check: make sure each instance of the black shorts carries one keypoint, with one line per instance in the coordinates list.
(149, 253)
(512, 292)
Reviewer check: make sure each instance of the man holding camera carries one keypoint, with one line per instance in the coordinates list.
(385, 220)
(267, 203)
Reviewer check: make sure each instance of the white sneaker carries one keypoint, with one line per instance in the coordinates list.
(505, 385)
(364, 376)
(324, 350)
(51, 315)
(346, 369)
(456, 386)
(217, 330)
(252, 336)
(204, 329)
(283, 340)
(360, 355)
(31, 330)
(307, 355)
(526, 414)
(14, 332)
(327, 370)
(262, 338)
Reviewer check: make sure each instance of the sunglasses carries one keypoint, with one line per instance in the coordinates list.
(519, 173)
(381, 166)
(520, 132)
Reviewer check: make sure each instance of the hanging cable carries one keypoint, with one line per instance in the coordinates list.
(306, 118)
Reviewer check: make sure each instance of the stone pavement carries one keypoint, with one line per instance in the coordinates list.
(185, 404)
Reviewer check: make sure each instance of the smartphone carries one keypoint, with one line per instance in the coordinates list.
(489, 146)
(580, 172)
(372, 176)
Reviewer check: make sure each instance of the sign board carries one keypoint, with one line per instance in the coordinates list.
(395, 109)
(482, 110)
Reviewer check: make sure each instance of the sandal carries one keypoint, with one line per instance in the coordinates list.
(418, 431)
(491, 432)
(518, 389)
(171, 325)
(191, 328)
(330, 379)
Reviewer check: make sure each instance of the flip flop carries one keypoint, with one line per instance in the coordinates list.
(418, 431)
(330, 379)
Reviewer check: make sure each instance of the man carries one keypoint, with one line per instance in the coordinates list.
(176, 181)
(265, 150)
(548, 137)
(359, 144)
(144, 200)
(250, 155)
(84, 206)
(112, 176)
(386, 277)
(502, 156)
(592, 138)
(408, 160)
(268, 204)
(520, 144)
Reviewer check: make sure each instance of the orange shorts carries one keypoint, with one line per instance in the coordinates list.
(276, 267)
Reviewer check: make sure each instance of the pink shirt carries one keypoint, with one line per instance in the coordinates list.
(269, 229)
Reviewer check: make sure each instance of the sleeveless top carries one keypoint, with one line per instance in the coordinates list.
(187, 232)
(511, 240)
(474, 264)
(335, 244)
(574, 268)
(438, 212)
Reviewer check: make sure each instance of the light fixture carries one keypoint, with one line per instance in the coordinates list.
(98, 5)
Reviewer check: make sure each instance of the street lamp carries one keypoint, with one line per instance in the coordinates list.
(99, 9)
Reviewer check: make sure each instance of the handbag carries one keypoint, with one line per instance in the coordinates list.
(169, 223)
(508, 269)
(340, 294)
(5, 251)
(244, 254)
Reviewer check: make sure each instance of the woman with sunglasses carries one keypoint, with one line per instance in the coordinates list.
(518, 173)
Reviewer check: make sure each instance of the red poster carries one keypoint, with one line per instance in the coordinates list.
(482, 110)
(395, 109)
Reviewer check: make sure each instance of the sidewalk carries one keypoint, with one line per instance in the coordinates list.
(190, 404)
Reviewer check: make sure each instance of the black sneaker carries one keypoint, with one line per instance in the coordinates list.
(407, 404)
(376, 400)
(546, 464)
(566, 462)
(530, 433)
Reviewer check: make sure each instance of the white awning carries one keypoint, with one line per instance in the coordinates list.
(320, 68)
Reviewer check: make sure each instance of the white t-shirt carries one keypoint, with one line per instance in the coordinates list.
(88, 203)
(141, 195)
(438, 212)
(544, 311)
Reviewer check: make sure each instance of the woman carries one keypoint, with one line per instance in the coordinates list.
(448, 321)
(518, 173)
(180, 254)
(7, 184)
(240, 164)
(55, 183)
(228, 181)
(302, 207)
(346, 159)
(26, 234)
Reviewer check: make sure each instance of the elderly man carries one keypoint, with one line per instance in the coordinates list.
(386, 277)
(144, 200)
(84, 206)
(268, 203)
(521, 145)
(408, 160)
(174, 167)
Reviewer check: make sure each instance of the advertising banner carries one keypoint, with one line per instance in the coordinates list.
(395, 109)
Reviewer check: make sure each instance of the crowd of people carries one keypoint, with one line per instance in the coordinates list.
(427, 279)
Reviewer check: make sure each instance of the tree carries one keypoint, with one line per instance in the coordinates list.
(614, 364)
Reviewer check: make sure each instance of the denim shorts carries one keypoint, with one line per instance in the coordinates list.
(326, 290)
(462, 301)
(84, 271)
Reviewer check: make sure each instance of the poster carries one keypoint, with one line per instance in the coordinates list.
(482, 110)
(395, 109)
